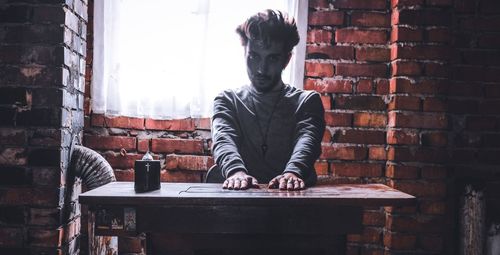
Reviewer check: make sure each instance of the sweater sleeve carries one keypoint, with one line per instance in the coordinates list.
(226, 136)
(307, 138)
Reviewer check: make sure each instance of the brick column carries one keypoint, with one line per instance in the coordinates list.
(418, 124)
(41, 85)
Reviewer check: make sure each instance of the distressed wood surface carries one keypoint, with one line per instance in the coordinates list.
(122, 193)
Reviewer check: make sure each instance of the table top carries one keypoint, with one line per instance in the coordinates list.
(122, 193)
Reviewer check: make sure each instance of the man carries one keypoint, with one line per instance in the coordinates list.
(267, 132)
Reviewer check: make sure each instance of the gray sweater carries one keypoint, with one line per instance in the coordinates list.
(268, 134)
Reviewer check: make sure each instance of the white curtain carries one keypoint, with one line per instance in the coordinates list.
(168, 59)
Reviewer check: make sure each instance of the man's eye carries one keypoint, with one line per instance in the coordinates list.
(252, 56)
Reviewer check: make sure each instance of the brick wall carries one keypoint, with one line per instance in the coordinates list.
(41, 107)
(411, 91)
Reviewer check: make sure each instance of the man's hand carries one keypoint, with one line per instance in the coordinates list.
(240, 180)
(287, 181)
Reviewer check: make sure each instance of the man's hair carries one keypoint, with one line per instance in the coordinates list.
(270, 26)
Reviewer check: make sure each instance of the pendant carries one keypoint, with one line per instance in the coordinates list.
(264, 149)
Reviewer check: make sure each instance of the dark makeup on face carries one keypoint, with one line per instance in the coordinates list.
(265, 63)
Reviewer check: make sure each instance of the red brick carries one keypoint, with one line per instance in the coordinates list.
(420, 189)
(171, 125)
(432, 87)
(406, 34)
(319, 36)
(368, 119)
(373, 218)
(188, 162)
(476, 73)
(10, 236)
(400, 241)
(377, 153)
(338, 119)
(420, 52)
(406, 68)
(181, 176)
(370, 19)
(326, 100)
(319, 69)
(431, 242)
(360, 136)
(99, 120)
(329, 85)
(116, 160)
(45, 238)
(143, 144)
(437, 70)
(402, 137)
(343, 152)
(356, 169)
(349, 35)
(327, 137)
(364, 86)
(124, 175)
(477, 123)
(419, 154)
(202, 123)
(438, 139)
(360, 4)
(321, 167)
(325, 18)
(421, 17)
(434, 172)
(12, 136)
(491, 41)
(373, 54)
(318, 4)
(369, 70)
(438, 2)
(371, 235)
(331, 52)
(480, 57)
(373, 103)
(382, 87)
(418, 120)
(433, 207)
(406, 3)
(109, 142)
(191, 146)
(404, 103)
(440, 35)
(401, 171)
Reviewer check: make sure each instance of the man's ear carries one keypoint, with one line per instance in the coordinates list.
(288, 57)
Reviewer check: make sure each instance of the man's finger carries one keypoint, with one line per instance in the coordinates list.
(237, 184)
(289, 184)
(244, 184)
(273, 183)
(302, 184)
(253, 181)
(224, 185)
(296, 184)
(230, 184)
(282, 183)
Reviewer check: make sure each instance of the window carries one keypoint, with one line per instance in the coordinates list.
(169, 59)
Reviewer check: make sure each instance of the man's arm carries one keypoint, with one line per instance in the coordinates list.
(226, 135)
(307, 145)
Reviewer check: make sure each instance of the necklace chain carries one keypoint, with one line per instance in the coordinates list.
(263, 145)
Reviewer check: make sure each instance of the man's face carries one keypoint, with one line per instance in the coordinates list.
(265, 63)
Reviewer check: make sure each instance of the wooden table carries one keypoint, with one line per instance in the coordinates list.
(199, 216)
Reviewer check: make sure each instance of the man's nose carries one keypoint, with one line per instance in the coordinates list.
(262, 67)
